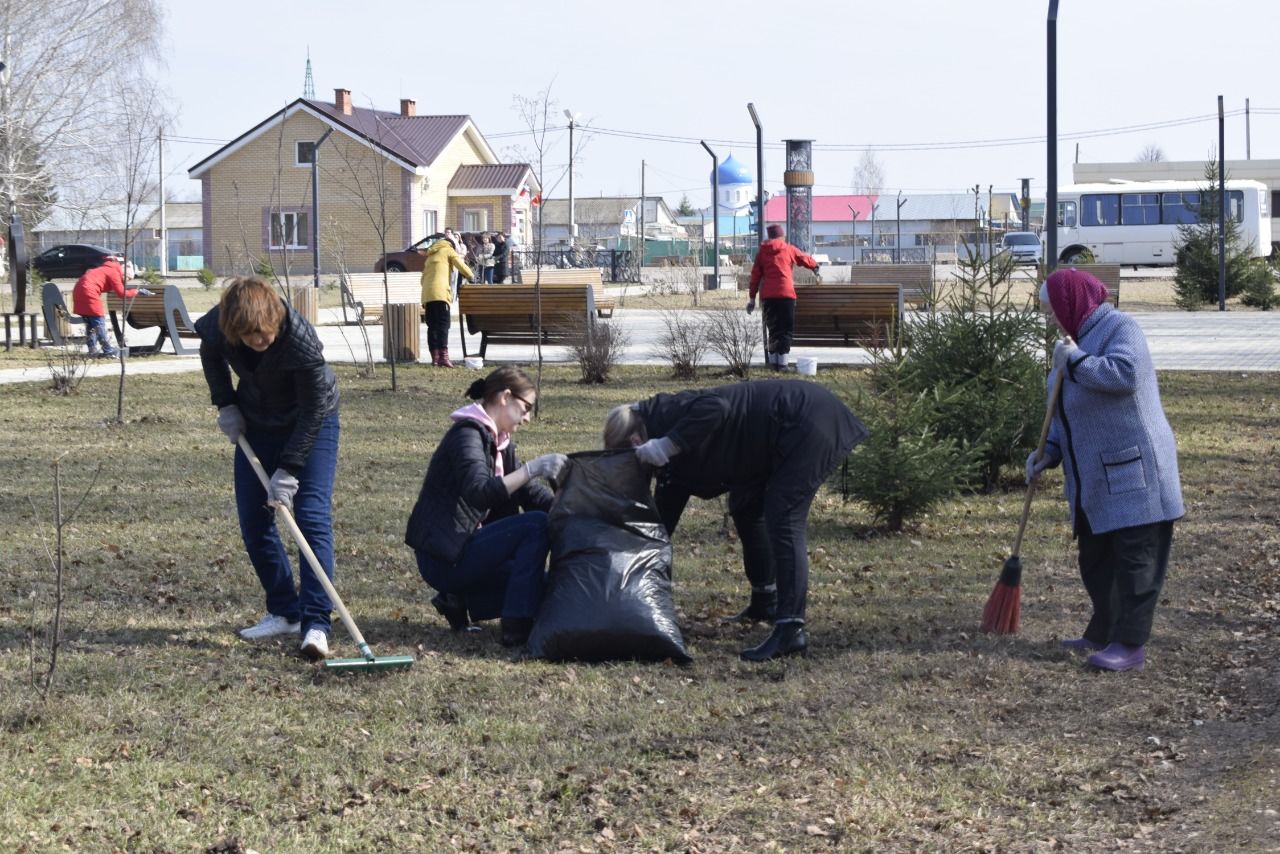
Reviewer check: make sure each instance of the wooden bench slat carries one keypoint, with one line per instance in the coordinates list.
(166, 309)
(364, 294)
(507, 314)
(576, 276)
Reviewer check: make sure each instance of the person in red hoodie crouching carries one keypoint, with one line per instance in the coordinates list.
(771, 278)
(87, 302)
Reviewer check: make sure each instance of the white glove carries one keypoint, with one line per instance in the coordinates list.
(282, 489)
(657, 452)
(751, 306)
(1064, 352)
(547, 465)
(143, 292)
(231, 422)
(1034, 466)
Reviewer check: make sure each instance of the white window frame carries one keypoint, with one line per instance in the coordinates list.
(283, 218)
(430, 221)
(297, 151)
(481, 213)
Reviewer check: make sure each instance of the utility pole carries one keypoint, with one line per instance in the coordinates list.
(1222, 209)
(164, 232)
(990, 213)
(853, 234)
(897, 242)
(1248, 149)
(640, 259)
(573, 228)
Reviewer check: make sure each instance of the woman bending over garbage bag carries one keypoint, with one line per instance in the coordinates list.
(770, 445)
(473, 544)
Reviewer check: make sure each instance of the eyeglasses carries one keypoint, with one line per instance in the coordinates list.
(528, 407)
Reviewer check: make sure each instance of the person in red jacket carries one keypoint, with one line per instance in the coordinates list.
(771, 278)
(87, 301)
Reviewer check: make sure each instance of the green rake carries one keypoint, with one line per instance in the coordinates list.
(370, 661)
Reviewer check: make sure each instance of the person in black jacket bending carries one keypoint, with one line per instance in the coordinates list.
(286, 405)
(473, 545)
(770, 445)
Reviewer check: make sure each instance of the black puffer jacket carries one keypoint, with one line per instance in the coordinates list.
(286, 389)
(740, 434)
(460, 488)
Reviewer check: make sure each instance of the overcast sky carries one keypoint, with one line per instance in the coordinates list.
(949, 94)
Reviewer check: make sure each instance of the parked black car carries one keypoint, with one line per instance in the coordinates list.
(72, 260)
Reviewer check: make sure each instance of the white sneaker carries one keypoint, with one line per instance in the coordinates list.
(315, 646)
(271, 626)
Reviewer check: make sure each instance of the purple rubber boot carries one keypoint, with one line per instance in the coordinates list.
(1117, 657)
(1080, 645)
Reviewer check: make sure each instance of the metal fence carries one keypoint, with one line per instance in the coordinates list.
(615, 265)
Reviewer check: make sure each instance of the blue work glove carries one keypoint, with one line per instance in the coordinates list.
(751, 306)
(657, 452)
(143, 292)
(282, 488)
(231, 422)
(1064, 353)
(1034, 466)
(547, 465)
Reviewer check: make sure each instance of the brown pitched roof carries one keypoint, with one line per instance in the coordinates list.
(498, 176)
(417, 139)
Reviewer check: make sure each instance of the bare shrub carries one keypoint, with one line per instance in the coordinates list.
(733, 335)
(68, 365)
(683, 342)
(598, 349)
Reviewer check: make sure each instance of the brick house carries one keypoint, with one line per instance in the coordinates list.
(406, 175)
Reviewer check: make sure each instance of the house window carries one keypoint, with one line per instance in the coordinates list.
(475, 220)
(429, 220)
(305, 153)
(290, 229)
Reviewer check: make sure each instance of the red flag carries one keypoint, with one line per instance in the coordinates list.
(537, 200)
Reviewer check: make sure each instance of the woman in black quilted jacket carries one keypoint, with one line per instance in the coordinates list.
(473, 544)
(286, 405)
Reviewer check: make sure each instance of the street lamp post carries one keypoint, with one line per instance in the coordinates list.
(573, 228)
(897, 241)
(853, 234)
(315, 207)
(751, 108)
(715, 211)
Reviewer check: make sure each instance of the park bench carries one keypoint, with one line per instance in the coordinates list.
(58, 319)
(862, 315)
(577, 276)
(916, 280)
(363, 294)
(507, 314)
(165, 309)
(1108, 274)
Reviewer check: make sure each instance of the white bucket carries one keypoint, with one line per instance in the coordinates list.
(475, 363)
(806, 366)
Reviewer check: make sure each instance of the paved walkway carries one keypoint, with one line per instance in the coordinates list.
(1202, 340)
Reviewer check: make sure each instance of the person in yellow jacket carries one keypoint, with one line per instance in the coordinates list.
(437, 297)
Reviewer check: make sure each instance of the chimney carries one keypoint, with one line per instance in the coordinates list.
(408, 107)
(342, 100)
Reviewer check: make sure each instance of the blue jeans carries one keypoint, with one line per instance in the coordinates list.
(486, 275)
(312, 510)
(95, 331)
(501, 571)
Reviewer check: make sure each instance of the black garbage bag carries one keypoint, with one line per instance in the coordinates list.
(608, 593)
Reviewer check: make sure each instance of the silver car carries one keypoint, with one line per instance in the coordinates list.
(1022, 246)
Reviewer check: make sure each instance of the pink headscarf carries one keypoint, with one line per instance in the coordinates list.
(1074, 295)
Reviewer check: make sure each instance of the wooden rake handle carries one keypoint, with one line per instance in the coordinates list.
(1044, 439)
(314, 562)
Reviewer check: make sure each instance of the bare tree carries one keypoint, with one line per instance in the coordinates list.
(52, 90)
(1150, 153)
(868, 176)
(535, 114)
(131, 156)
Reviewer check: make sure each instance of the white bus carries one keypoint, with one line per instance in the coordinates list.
(1136, 222)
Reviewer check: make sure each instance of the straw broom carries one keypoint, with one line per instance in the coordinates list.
(1004, 607)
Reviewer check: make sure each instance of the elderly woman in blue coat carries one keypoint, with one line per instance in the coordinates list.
(1120, 466)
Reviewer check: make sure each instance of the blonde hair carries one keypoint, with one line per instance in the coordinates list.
(248, 306)
(622, 423)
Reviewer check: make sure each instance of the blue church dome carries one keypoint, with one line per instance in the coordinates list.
(732, 171)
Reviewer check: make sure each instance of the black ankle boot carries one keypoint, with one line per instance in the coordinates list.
(515, 630)
(762, 609)
(786, 639)
(453, 608)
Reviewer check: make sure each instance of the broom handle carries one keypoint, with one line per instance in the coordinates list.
(283, 513)
(1044, 439)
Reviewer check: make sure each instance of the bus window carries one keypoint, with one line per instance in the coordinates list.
(1140, 208)
(1235, 205)
(1101, 209)
(1066, 214)
(1180, 208)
